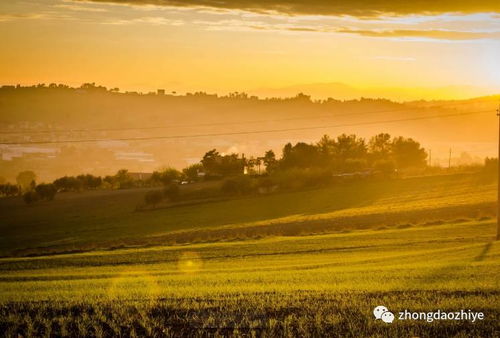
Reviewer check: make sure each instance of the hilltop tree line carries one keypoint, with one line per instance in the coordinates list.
(94, 88)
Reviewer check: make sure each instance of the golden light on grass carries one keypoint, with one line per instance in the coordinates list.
(190, 262)
(134, 284)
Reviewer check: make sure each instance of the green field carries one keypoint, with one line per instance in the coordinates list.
(107, 219)
(420, 244)
(304, 285)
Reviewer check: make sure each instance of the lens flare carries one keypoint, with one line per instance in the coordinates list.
(190, 262)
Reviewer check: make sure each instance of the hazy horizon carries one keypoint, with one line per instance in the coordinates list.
(31, 116)
(317, 91)
(418, 51)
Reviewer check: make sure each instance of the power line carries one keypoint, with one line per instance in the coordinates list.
(50, 131)
(244, 132)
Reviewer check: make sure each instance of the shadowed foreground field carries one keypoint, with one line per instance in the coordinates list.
(319, 285)
(76, 222)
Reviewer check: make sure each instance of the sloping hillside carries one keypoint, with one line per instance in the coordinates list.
(105, 219)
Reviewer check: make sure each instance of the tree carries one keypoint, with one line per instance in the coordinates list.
(270, 161)
(25, 180)
(215, 164)
(166, 177)
(231, 165)
(301, 155)
(191, 172)
(326, 146)
(123, 179)
(380, 147)
(68, 183)
(349, 147)
(211, 161)
(408, 153)
(89, 181)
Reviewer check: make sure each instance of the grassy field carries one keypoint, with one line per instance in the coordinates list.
(307, 263)
(107, 219)
(296, 286)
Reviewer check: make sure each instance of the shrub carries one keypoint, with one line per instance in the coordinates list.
(297, 178)
(489, 171)
(237, 185)
(266, 185)
(30, 197)
(172, 192)
(385, 167)
(153, 197)
(266, 182)
(46, 191)
(354, 164)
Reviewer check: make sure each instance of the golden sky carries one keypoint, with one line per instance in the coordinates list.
(401, 50)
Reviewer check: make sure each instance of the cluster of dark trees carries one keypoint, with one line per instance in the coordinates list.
(344, 154)
(78, 183)
(349, 153)
(302, 164)
(121, 180)
(8, 189)
(40, 192)
(27, 187)
(165, 177)
(215, 164)
(33, 192)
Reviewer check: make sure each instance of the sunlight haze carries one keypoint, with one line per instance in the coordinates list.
(138, 46)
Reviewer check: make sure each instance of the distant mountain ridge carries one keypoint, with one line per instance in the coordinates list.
(346, 92)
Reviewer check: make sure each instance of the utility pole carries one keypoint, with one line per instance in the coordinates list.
(449, 160)
(498, 177)
(430, 157)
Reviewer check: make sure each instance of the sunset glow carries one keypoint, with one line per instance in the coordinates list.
(406, 54)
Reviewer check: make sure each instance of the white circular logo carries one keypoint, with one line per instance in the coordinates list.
(381, 312)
